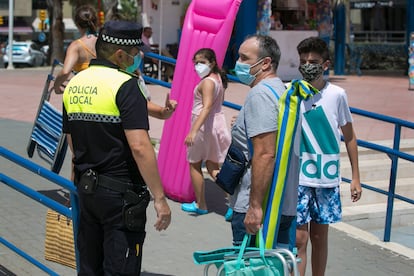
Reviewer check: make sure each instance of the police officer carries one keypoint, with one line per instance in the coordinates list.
(105, 118)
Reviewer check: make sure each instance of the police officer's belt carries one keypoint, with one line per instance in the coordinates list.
(114, 184)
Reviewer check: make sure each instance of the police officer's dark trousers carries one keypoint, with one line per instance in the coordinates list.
(105, 246)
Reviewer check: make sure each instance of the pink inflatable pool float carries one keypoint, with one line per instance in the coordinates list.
(207, 24)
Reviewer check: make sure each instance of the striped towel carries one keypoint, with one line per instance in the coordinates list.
(289, 112)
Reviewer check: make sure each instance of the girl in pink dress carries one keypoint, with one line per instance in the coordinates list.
(209, 138)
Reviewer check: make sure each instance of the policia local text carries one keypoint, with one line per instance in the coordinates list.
(82, 94)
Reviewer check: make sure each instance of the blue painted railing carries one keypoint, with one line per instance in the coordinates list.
(394, 153)
(71, 213)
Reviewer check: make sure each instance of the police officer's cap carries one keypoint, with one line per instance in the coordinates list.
(123, 33)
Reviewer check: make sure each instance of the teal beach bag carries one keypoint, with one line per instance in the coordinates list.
(273, 262)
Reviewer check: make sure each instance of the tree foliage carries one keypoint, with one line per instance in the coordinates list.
(130, 11)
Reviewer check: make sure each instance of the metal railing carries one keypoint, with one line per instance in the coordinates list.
(393, 153)
(380, 36)
(71, 213)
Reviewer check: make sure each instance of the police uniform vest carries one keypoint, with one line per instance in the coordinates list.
(96, 123)
(94, 101)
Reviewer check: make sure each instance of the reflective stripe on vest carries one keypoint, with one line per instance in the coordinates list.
(91, 95)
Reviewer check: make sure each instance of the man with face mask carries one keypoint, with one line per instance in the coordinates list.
(105, 118)
(323, 118)
(255, 131)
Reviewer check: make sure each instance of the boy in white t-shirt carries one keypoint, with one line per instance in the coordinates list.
(324, 117)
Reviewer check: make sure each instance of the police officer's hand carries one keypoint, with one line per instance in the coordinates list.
(171, 105)
(169, 108)
(163, 214)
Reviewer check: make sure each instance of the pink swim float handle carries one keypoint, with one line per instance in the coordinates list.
(207, 24)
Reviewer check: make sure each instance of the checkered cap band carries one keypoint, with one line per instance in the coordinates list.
(122, 41)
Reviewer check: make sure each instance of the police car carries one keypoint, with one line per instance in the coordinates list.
(25, 53)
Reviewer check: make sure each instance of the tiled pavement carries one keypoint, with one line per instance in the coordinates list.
(351, 251)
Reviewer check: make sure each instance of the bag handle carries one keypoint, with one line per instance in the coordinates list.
(246, 238)
(246, 241)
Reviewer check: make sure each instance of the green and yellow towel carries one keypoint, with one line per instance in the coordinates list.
(289, 112)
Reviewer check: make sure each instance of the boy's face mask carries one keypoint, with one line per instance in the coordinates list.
(311, 71)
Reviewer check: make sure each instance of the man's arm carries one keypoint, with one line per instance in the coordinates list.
(144, 156)
(72, 167)
(263, 161)
(162, 112)
(352, 149)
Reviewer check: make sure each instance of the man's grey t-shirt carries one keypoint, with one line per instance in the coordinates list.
(259, 115)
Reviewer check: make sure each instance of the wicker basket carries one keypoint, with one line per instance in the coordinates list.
(59, 246)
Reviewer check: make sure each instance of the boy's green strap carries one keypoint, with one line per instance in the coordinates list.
(289, 114)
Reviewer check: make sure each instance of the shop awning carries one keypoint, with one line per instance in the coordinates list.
(16, 30)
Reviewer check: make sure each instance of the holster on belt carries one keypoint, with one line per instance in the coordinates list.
(88, 182)
(134, 211)
(136, 198)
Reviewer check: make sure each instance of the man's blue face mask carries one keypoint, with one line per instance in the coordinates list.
(137, 62)
(243, 72)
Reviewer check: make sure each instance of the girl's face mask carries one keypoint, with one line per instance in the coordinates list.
(202, 69)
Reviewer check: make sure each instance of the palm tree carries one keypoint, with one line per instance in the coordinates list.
(110, 9)
(57, 29)
(56, 32)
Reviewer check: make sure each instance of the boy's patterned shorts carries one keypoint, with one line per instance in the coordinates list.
(321, 205)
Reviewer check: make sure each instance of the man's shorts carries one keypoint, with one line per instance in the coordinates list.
(321, 205)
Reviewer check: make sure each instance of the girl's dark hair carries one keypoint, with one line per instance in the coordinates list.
(210, 55)
(86, 18)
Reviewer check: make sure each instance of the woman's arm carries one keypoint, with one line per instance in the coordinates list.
(72, 56)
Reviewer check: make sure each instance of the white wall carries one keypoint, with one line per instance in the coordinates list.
(289, 59)
(165, 20)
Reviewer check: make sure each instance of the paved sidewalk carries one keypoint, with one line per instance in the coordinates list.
(351, 251)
